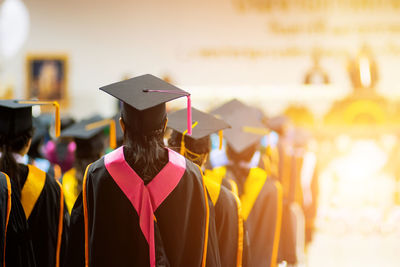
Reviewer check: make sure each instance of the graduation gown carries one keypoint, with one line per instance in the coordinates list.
(261, 199)
(123, 222)
(15, 239)
(229, 222)
(5, 210)
(43, 204)
(290, 164)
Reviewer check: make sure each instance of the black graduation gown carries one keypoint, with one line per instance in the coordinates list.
(229, 224)
(48, 220)
(227, 211)
(261, 199)
(288, 176)
(115, 238)
(5, 210)
(19, 249)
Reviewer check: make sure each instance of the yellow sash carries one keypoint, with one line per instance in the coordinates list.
(278, 224)
(69, 184)
(213, 189)
(32, 188)
(216, 174)
(252, 188)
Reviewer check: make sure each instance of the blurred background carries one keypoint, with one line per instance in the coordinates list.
(331, 66)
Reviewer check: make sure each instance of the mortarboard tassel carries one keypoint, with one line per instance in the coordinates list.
(102, 123)
(255, 130)
(57, 124)
(183, 148)
(188, 104)
(221, 138)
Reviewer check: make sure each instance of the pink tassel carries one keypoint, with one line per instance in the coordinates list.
(189, 115)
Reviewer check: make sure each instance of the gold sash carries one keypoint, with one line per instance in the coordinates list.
(32, 188)
(252, 188)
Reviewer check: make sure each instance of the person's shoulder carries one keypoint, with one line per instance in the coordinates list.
(2, 177)
(4, 181)
(97, 169)
(96, 165)
(193, 170)
(272, 189)
(228, 199)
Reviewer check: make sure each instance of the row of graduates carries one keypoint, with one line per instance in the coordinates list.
(143, 204)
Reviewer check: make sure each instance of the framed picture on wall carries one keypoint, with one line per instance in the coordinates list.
(47, 77)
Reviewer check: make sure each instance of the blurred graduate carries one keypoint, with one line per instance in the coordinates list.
(260, 195)
(40, 195)
(196, 148)
(143, 204)
(90, 139)
(35, 155)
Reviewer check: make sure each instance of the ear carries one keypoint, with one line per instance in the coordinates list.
(122, 124)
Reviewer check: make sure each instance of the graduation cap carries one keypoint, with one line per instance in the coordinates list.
(203, 125)
(278, 123)
(147, 96)
(228, 107)
(16, 116)
(87, 129)
(246, 126)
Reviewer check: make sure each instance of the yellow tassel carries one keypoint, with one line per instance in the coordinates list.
(183, 149)
(57, 123)
(113, 135)
(255, 130)
(221, 138)
(102, 123)
(57, 118)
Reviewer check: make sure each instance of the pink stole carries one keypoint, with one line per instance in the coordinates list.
(145, 198)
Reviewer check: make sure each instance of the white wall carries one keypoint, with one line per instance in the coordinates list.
(106, 40)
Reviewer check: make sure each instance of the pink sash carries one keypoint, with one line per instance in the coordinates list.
(145, 198)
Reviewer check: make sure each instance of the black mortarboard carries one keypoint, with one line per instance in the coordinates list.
(78, 130)
(147, 96)
(89, 128)
(16, 116)
(203, 124)
(228, 107)
(246, 126)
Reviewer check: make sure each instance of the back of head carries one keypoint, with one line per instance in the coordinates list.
(10, 145)
(244, 156)
(144, 150)
(87, 151)
(196, 150)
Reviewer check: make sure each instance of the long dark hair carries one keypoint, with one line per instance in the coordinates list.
(8, 146)
(87, 152)
(145, 152)
(200, 146)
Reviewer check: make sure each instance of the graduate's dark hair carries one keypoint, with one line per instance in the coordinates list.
(200, 146)
(239, 171)
(8, 146)
(145, 152)
(87, 151)
(244, 156)
(34, 150)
